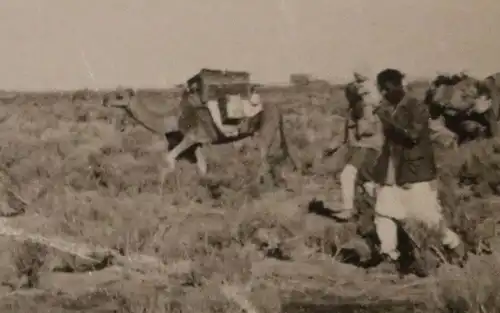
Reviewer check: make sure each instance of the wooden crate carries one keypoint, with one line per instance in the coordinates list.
(225, 87)
(213, 83)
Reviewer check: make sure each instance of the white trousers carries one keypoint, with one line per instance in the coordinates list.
(348, 187)
(418, 202)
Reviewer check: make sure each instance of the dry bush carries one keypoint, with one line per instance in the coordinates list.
(472, 289)
(28, 261)
(468, 186)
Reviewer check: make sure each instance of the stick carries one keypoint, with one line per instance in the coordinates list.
(137, 262)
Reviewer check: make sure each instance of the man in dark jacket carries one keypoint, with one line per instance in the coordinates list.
(406, 167)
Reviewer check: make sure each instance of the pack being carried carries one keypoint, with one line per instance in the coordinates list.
(229, 89)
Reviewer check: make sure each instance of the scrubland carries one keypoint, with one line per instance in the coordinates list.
(99, 235)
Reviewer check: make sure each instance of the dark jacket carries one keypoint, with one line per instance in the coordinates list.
(407, 139)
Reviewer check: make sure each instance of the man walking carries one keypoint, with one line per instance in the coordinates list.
(363, 135)
(406, 168)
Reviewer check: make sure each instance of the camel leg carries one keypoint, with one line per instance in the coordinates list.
(172, 155)
(265, 167)
(287, 152)
(201, 161)
(171, 158)
(264, 148)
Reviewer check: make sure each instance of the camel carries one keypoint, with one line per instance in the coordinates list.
(491, 86)
(464, 103)
(194, 128)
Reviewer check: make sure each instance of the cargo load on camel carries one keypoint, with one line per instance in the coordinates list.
(228, 96)
(465, 105)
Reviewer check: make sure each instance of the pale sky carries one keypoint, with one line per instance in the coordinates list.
(67, 44)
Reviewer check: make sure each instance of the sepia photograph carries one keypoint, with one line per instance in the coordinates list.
(265, 156)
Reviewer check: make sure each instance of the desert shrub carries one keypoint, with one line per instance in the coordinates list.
(472, 289)
(28, 261)
(468, 177)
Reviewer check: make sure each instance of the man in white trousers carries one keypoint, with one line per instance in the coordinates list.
(363, 136)
(406, 169)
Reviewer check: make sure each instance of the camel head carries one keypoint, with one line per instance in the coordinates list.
(119, 98)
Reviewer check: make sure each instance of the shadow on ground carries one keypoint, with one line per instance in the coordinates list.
(353, 307)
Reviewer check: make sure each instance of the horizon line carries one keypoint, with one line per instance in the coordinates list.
(332, 82)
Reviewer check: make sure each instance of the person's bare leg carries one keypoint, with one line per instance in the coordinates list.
(264, 141)
(264, 168)
(347, 183)
(201, 161)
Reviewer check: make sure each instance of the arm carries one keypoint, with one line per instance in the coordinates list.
(372, 99)
(367, 124)
(346, 127)
(385, 116)
(418, 115)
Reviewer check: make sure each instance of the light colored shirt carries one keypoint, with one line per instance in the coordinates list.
(369, 126)
(369, 129)
(370, 93)
(391, 170)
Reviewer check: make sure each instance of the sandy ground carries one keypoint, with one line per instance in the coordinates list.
(98, 234)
